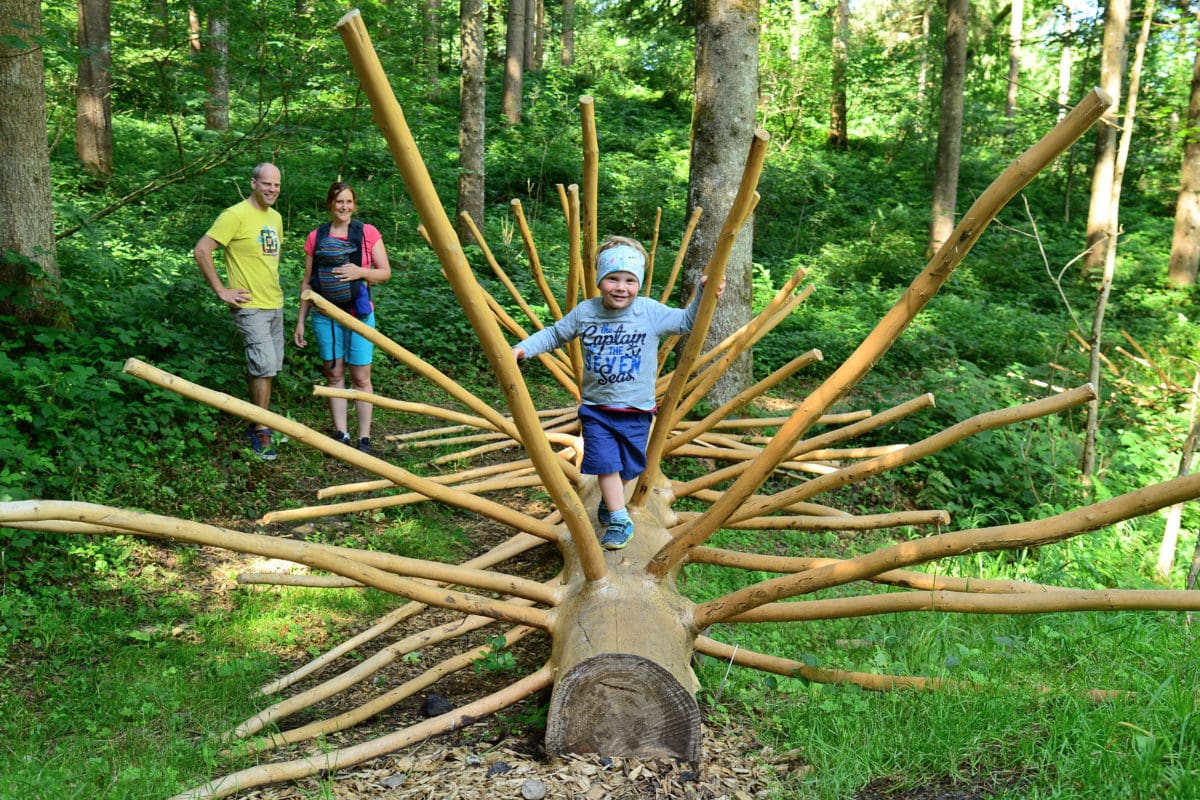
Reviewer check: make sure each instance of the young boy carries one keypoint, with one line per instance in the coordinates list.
(620, 333)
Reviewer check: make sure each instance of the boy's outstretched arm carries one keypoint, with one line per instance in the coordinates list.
(519, 354)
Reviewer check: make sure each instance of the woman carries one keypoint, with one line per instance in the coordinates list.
(329, 275)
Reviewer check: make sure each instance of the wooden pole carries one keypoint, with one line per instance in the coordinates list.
(880, 339)
(715, 274)
(1003, 537)
(390, 119)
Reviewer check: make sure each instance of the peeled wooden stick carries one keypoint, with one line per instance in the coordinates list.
(511, 548)
(356, 674)
(535, 262)
(314, 555)
(348, 756)
(467, 421)
(946, 601)
(413, 362)
(861, 522)
(1003, 537)
(907, 578)
(397, 500)
(939, 441)
(897, 319)
(591, 194)
(798, 363)
(715, 273)
(376, 705)
(652, 251)
(306, 435)
(688, 231)
(390, 119)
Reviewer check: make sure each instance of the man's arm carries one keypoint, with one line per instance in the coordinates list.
(203, 253)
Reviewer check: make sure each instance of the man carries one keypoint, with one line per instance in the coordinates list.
(251, 234)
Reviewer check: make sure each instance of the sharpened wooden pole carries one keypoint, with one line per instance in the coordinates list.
(714, 272)
(390, 119)
(880, 339)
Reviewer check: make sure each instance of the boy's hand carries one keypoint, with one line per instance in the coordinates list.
(519, 354)
(720, 289)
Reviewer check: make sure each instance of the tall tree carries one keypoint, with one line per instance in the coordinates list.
(28, 261)
(950, 120)
(1016, 30)
(723, 116)
(838, 137)
(1185, 242)
(472, 115)
(431, 42)
(1110, 250)
(567, 56)
(93, 93)
(511, 100)
(531, 16)
(1064, 61)
(216, 70)
(1112, 67)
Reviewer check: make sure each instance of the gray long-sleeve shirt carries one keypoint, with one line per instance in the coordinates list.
(620, 347)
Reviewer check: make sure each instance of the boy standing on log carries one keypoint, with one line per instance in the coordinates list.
(620, 332)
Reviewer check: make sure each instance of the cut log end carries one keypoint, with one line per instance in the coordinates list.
(617, 704)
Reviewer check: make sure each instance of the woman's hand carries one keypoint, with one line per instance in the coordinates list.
(349, 272)
(298, 334)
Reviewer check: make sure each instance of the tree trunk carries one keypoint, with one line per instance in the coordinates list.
(838, 137)
(567, 57)
(472, 116)
(1112, 66)
(1064, 62)
(949, 147)
(1110, 250)
(1016, 28)
(530, 51)
(1185, 242)
(194, 44)
(216, 71)
(93, 114)
(726, 97)
(511, 100)
(433, 10)
(28, 264)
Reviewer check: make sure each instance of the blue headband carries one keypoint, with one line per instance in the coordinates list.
(622, 258)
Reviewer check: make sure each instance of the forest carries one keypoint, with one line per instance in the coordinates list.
(125, 660)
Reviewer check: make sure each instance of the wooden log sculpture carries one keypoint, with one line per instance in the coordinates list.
(622, 635)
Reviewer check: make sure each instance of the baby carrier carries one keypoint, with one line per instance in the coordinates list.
(330, 252)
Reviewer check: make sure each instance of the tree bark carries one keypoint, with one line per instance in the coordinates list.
(216, 71)
(433, 10)
(530, 51)
(567, 57)
(838, 137)
(93, 113)
(472, 117)
(723, 116)
(511, 99)
(949, 147)
(1064, 62)
(1016, 28)
(1112, 66)
(1185, 242)
(28, 262)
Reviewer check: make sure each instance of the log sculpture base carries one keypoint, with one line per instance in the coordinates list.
(623, 705)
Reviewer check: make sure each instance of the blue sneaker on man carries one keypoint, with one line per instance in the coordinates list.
(617, 535)
(262, 442)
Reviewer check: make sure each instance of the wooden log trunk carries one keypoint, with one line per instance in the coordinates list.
(622, 650)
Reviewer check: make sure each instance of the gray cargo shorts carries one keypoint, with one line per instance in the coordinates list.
(262, 330)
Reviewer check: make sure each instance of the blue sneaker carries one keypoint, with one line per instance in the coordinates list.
(617, 535)
(603, 515)
(262, 442)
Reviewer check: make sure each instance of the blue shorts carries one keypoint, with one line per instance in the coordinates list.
(335, 340)
(614, 441)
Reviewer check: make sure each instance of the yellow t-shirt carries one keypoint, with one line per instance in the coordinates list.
(252, 240)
